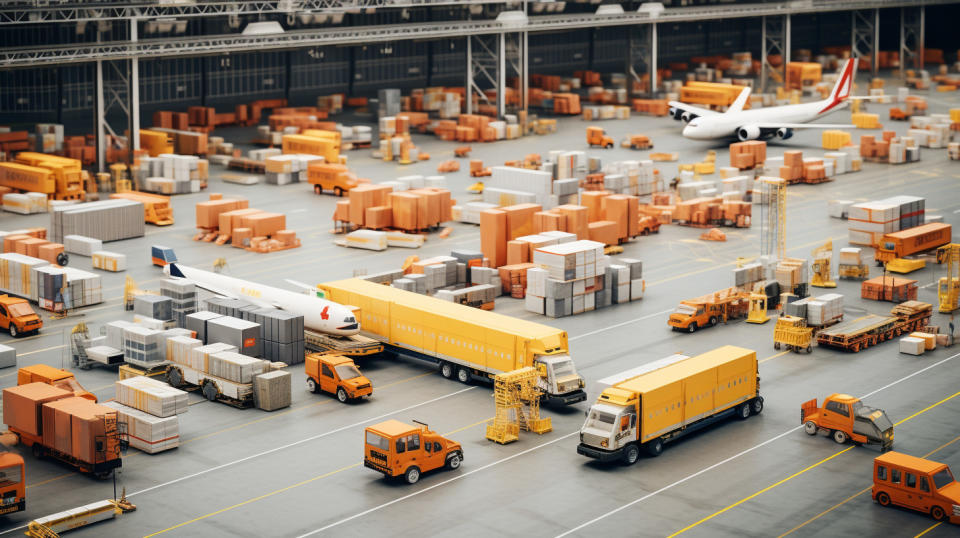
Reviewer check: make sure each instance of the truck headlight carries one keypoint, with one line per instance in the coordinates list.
(605, 443)
(581, 383)
(956, 510)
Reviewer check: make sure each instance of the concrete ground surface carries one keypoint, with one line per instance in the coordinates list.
(298, 471)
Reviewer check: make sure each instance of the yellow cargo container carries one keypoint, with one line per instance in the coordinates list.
(328, 148)
(465, 342)
(665, 403)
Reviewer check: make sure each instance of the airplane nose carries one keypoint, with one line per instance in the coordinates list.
(689, 131)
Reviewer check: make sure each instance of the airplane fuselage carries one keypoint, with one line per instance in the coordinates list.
(726, 125)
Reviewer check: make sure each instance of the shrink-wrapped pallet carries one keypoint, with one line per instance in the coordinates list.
(234, 367)
(272, 390)
(179, 348)
(146, 432)
(911, 345)
(200, 356)
(151, 396)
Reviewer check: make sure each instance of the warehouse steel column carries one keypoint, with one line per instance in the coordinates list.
(775, 35)
(484, 59)
(866, 36)
(98, 118)
(641, 56)
(134, 112)
(912, 21)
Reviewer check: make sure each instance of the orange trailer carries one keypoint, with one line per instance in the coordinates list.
(912, 241)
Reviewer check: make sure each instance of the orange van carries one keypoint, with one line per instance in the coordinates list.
(398, 449)
(917, 484)
(335, 374)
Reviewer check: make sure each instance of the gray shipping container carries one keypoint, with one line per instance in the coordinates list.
(198, 322)
(153, 306)
(246, 335)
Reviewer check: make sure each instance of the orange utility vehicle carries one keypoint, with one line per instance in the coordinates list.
(637, 142)
(57, 377)
(844, 417)
(917, 484)
(398, 449)
(13, 492)
(336, 374)
(649, 225)
(17, 316)
(709, 310)
(597, 137)
(912, 241)
(331, 177)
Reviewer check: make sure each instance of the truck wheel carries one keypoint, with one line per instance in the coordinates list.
(317, 189)
(713, 320)
(776, 345)
(338, 191)
(342, 395)
(454, 460)
(103, 475)
(692, 328)
(810, 427)
(655, 447)
(37, 450)
(412, 474)
(631, 453)
(883, 498)
(311, 385)
(210, 391)
(463, 375)
(446, 370)
(938, 513)
(756, 407)
(608, 146)
(840, 436)
(743, 411)
(13, 330)
(809, 349)
(174, 378)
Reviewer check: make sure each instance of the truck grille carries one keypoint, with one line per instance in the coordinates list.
(364, 386)
(593, 440)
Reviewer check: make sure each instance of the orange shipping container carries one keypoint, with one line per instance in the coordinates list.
(604, 231)
(577, 219)
(89, 425)
(208, 213)
(378, 217)
(21, 405)
(493, 236)
(593, 201)
(520, 219)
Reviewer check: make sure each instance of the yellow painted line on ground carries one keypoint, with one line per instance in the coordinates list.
(54, 479)
(861, 492)
(798, 473)
(782, 353)
(287, 488)
(930, 528)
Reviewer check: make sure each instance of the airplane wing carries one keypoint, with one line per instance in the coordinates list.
(686, 107)
(301, 285)
(805, 126)
(215, 290)
(869, 97)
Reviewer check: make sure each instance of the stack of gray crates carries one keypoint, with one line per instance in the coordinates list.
(197, 322)
(107, 220)
(183, 296)
(272, 390)
(473, 296)
(486, 275)
(144, 347)
(153, 306)
(246, 335)
(386, 277)
(282, 334)
(226, 307)
(8, 356)
(388, 102)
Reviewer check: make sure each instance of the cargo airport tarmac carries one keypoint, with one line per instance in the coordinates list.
(298, 471)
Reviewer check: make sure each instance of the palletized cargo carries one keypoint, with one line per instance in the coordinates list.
(107, 220)
(151, 396)
(153, 306)
(17, 274)
(84, 246)
(146, 432)
(144, 347)
(234, 366)
(272, 390)
(66, 287)
(109, 261)
(245, 335)
(197, 322)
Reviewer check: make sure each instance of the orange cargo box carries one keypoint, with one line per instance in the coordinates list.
(405, 210)
(517, 252)
(240, 237)
(230, 219)
(10, 241)
(493, 236)
(208, 213)
(342, 212)
(604, 231)
(21, 405)
(378, 217)
(549, 221)
(593, 201)
(88, 427)
(49, 252)
(263, 223)
(516, 274)
(520, 219)
(57, 427)
(31, 247)
(577, 219)
(366, 195)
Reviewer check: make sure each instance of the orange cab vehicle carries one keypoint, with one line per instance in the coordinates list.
(336, 374)
(915, 483)
(398, 449)
(13, 492)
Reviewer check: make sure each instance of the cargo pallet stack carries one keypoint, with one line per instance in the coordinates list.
(151, 410)
(869, 221)
(183, 296)
(231, 220)
(107, 220)
(280, 335)
(819, 312)
(406, 204)
(153, 310)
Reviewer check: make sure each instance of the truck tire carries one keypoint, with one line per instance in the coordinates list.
(840, 436)
(311, 385)
(713, 320)
(342, 395)
(756, 406)
(463, 375)
(631, 453)
(13, 330)
(210, 391)
(447, 370)
(338, 191)
(37, 450)
(454, 460)
(776, 345)
(174, 377)
(938, 513)
(692, 328)
(318, 189)
(743, 411)
(608, 146)
(412, 474)
(810, 427)
(655, 447)
(883, 499)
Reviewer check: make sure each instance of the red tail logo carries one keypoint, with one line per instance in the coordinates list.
(323, 313)
(842, 90)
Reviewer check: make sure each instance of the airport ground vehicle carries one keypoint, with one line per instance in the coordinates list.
(845, 418)
(464, 342)
(331, 177)
(793, 333)
(649, 225)
(335, 374)
(17, 316)
(156, 207)
(398, 449)
(13, 479)
(708, 310)
(871, 329)
(918, 484)
(648, 410)
(597, 137)
(57, 377)
(637, 142)
(912, 241)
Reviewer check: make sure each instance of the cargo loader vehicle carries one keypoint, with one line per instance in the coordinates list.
(897, 477)
(13, 479)
(870, 330)
(845, 418)
(397, 449)
(708, 310)
(682, 395)
(912, 241)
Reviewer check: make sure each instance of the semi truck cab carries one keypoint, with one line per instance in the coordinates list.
(13, 496)
(609, 427)
(559, 380)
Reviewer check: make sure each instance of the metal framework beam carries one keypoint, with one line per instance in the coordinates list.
(865, 24)
(641, 56)
(912, 28)
(775, 35)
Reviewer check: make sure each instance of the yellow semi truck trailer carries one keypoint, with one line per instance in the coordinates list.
(464, 342)
(648, 410)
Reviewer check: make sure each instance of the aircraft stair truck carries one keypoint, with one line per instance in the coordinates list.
(13, 491)
(845, 418)
(464, 342)
(17, 316)
(659, 406)
(709, 310)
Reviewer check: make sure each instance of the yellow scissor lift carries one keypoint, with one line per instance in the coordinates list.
(518, 406)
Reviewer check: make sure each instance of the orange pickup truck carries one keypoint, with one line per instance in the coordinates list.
(398, 449)
(17, 317)
(844, 418)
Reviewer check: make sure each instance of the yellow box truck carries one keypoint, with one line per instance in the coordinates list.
(464, 342)
(660, 405)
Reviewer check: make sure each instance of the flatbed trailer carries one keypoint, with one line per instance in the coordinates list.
(872, 329)
(213, 388)
(349, 346)
(100, 468)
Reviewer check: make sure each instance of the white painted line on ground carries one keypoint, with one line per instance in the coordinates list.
(424, 490)
(591, 333)
(279, 448)
(297, 211)
(735, 456)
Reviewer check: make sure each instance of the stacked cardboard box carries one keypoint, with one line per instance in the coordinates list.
(791, 273)
(25, 203)
(243, 334)
(151, 396)
(912, 345)
(869, 221)
(84, 246)
(289, 168)
(109, 261)
(183, 297)
(748, 155)
(153, 306)
(143, 347)
(635, 177)
(147, 432)
(888, 288)
(59, 288)
(107, 220)
(272, 390)
(234, 367)
(199, 357)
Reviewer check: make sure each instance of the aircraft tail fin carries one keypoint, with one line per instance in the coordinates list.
(741, 101)
(841, 90)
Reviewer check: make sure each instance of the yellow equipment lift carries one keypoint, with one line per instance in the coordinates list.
(758, 308)
(53, 525)
(518, 406)
(793, 333)
(822, 256)
(948, 291)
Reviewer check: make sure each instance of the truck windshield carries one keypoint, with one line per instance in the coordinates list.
(600, 420)
(942, 478)
(10, 475)
(685, 310)
(378, 441)
(563, 368)
(20, 309)
(347, 371)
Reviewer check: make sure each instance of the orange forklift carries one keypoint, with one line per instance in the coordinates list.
(398, 449)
